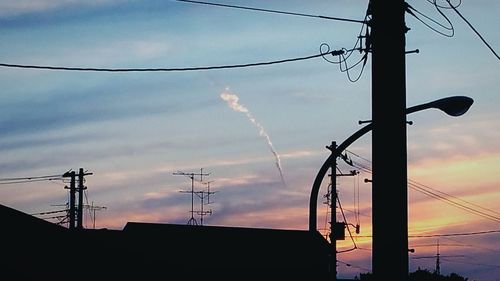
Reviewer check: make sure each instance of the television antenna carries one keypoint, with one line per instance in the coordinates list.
(192, 220)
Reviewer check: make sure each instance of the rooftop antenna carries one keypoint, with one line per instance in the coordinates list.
(92, 208)
(192, 220)
(204, 195)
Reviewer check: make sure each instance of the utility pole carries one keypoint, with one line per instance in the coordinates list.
(389, 195)
(72, 197)
(333, 212)
(81, 188)
(337, 229)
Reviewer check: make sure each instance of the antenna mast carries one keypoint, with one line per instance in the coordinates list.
(204, 194)
(192, 220)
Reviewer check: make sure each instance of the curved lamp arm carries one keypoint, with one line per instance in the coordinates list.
(313, 201)
(454, 106)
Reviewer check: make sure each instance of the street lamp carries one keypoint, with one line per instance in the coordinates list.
(453, 106)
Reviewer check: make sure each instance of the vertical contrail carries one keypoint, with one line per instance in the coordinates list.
(232, 101)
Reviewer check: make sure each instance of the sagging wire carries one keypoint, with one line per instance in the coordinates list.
(270, 11)
(356, 207)
(28, 181)
(30, 178)
(347, 225)
(452, 6)
(6, 181)
(452, 200)
(355, 266)
(348, 250)
(49, 212)
(412, 11)
(174, 69)
(358, 46)
(449, 6)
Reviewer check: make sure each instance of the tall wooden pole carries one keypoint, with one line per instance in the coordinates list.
(389, 195)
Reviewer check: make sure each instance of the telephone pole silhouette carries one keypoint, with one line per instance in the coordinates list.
(76, 214)
(337, 229)
(192, 220)
(389, 186)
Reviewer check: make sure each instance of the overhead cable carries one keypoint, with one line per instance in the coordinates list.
(30, 178)
(198, 68)
(29, 181)
(410, 10)
(473, 29)
(446, 198)
(445, 235)
(456, 234)
(271, 11)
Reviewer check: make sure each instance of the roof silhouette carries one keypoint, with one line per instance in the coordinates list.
(35, 249)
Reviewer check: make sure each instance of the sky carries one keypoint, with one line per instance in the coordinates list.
(259, 132)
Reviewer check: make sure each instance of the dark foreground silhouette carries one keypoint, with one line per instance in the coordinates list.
(34, 249)
(422, 275)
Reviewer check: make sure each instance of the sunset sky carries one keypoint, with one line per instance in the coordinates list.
(134, 130)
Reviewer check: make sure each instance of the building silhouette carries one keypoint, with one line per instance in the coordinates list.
(35, 249)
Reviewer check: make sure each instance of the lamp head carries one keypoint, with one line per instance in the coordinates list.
(454, 106)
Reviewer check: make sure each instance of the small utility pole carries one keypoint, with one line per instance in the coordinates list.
(336, 228)
(333, 212)
(72, 197)
(81, 188)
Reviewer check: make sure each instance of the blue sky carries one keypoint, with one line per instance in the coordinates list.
(133, 130)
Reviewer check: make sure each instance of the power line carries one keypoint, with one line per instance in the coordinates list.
(456, 234)
(445, 197)
(472, 263)
(49, 212)
(178, 69)
(342, 62)
(453, 203)
(472, 245)
(451, 29)
(444, 235)
(29, 181)
(29, 178)
(410, 10)
(472, 27)
(345, 221)
(355, 266)
(457, 198)
(434, 2)
(271, 11)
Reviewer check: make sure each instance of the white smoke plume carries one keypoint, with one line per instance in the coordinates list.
(232, 101)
